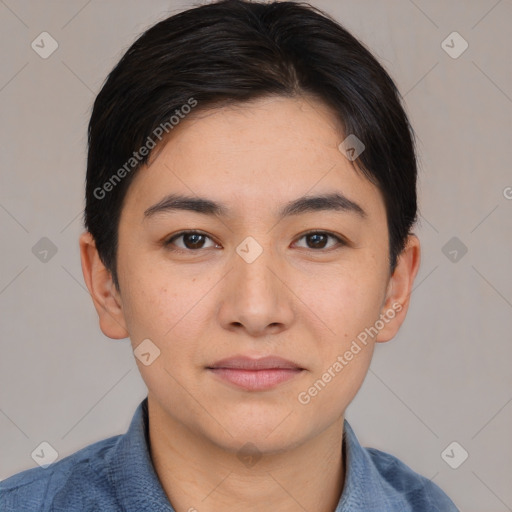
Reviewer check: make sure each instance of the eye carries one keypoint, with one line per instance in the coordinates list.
(192, 240)
(318, 239)
(195, 240)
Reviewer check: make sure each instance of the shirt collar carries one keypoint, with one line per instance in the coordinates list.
(137, 485)
(364, 488)
(134, 477)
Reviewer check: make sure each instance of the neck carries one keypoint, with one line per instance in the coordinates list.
(198, 475)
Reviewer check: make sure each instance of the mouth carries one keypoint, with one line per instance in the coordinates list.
(255, 374)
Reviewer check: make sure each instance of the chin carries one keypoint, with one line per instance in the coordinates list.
(268, 434)
(258, 443)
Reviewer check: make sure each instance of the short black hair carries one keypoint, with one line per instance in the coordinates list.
(234, 51)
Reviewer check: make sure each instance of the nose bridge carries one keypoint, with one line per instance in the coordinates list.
(252, 265)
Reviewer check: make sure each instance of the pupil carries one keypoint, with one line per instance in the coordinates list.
(316, 236)
(196, 242)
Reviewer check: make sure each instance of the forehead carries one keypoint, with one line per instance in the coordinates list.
(254, 154)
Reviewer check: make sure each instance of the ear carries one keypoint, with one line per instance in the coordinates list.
(396, 303)
(105, 295)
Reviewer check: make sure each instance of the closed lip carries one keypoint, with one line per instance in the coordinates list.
(250, 363)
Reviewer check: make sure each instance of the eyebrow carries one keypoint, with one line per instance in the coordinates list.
(306, 204)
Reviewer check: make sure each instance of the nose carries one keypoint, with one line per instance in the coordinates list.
(256, 297)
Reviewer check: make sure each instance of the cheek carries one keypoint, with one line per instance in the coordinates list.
(166, 318)
(347, 306)
(149, 295)
(345, 300)
(155, 312)
(167, 309)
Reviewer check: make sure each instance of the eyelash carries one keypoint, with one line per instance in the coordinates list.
(167, 243)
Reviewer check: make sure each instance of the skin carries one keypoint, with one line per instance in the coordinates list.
(299, 300)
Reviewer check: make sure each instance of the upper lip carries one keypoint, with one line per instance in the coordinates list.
(249, 363)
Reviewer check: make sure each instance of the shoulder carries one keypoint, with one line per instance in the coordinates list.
(420, 493)
(80, 478)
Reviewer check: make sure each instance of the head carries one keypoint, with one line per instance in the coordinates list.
(233, 120)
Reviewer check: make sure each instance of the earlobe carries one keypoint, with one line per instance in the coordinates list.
(399, 291)
(106, 298)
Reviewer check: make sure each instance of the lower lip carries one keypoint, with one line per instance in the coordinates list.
(256, 380)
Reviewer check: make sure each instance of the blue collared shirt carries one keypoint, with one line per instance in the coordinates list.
(117, 474)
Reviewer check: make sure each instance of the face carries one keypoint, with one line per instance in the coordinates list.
(253, 280)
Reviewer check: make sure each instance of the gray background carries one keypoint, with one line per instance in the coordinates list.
(445, 377)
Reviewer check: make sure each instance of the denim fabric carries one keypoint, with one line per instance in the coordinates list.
(116, 474)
